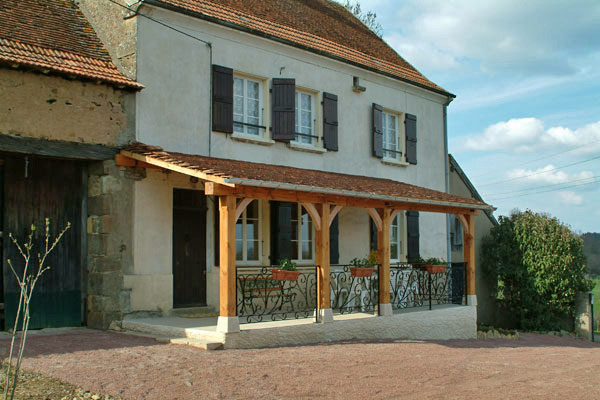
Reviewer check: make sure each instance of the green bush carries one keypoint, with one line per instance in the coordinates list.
(540, 267)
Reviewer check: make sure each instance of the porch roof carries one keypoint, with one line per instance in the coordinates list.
(235, 173)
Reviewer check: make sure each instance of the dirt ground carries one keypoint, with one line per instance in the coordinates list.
(132, 367)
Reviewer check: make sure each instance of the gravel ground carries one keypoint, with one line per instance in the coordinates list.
(133, 367)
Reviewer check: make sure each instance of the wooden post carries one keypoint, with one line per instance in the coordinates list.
(383, 251)
(469, 256)
(322, 258)
(228, 320)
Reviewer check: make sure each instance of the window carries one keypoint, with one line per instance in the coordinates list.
(247, 234)
(392, 136)
(456, 234)
(247, 106)
(395, 240)
(305, 118)
(302, 235)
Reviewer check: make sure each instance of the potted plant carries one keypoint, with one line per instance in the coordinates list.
(287, 271)
(432, 265)
(363, 267)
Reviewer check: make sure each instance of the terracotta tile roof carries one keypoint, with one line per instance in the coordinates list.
(322, 26)
(234, 171)
(54, 35)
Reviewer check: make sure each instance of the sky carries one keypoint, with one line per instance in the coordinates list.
(525, 124)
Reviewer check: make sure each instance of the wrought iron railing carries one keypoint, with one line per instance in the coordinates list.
(413, 285)
(260, 297)
(350, 293)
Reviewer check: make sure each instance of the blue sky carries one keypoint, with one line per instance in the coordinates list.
(525, 125)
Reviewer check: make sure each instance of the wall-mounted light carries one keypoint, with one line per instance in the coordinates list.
(356, 85)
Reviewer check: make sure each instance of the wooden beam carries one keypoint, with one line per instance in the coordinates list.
(469, 253)
(176, 168)
(463, 222)
(122, 161)
(241, 206)
(383, 250)
(55, 148)
(376, 218)
(322, 258)
(227, 286)
(333, 214)
(314, 214)
(395, 214)
(215, 189)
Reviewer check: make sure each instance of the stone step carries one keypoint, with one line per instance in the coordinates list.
(198, 343)
(195, 312)
(169, 327)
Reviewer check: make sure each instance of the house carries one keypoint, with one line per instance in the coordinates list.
(461, 185)
(64, 107)
(270, 130)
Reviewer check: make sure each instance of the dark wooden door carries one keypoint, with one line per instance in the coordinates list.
(35, 189)
(189, 248)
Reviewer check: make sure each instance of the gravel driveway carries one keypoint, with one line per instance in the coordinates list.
(133, 367)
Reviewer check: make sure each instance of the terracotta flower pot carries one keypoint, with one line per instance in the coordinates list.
(432, 269)
(361, 272)
(284, 275)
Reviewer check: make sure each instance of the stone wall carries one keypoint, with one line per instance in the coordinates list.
(110, 243)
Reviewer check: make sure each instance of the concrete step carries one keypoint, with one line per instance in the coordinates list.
(198, 343)
(174, 327)
(195, 312)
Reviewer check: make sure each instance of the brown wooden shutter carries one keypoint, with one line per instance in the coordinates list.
(284, 109)
(410, 122)
(222, 99)
(412, 233)
(330, 121)
(377, 130)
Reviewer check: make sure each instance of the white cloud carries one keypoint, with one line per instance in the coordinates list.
(536, 37)
(549, 174)
(529, 134)
(570, 198)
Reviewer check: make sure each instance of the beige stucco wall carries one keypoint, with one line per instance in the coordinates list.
(483, 284)
(50, 107)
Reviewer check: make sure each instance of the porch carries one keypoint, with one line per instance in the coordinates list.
(251, 299)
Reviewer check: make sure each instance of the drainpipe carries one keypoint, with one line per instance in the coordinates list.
(447, 172)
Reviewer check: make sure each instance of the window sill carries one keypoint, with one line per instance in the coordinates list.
(392, 161)
(307, 148)
(252, 139)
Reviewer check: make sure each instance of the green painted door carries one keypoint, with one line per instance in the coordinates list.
(36, 188)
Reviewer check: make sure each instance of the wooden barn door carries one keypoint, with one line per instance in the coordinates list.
(189, 248)
(36, 188)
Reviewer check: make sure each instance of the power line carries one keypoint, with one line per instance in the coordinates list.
(540, 172)
(542, 158)
(491, 196)
(548, 191)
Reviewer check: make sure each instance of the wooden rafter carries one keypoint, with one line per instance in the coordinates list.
(376, 218)
(241, 206)
(334, 213)
(314, 214)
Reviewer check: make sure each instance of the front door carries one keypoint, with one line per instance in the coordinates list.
(189, 248)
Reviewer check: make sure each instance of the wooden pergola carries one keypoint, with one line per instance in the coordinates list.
(322, 205)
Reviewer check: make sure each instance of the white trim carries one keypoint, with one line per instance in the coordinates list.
(306, 147)
(252, 139)
(244, 238)
(262, 132)
(394, 162)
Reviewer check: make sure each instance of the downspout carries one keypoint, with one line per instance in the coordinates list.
(447, 172)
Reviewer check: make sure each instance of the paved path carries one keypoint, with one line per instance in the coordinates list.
(535, 366)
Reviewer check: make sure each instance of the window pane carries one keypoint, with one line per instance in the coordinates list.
(252, 88)
(239, 250)
(296, 113)
(306, 101)
(394, 251)
(306, 250)
(238, 87)
(252, 210)
(295, 249)
(306, 122)
(252, 250)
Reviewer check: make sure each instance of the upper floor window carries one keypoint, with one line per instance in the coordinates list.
(392, 136)
(247, 106)
(247, 234)
(305, 118)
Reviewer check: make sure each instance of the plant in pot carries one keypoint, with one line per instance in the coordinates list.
(363, 267)
(287, 271)
(432, 265)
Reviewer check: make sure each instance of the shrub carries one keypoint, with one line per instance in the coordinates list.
(540, 267)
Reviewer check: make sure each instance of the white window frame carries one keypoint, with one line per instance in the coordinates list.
(243, 218)
(261, 106)
(298, 257)
(400, 151)
(398, 221)
(299, 140)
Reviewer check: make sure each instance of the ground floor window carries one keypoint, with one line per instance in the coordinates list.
(396, 239)
(302, 235)
(248, 234)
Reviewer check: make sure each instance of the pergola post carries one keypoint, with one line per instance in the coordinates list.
(324, 312)
(228, 320)
(383, 251)
(469, 257)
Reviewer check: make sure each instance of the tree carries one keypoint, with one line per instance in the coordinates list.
(369, 18)
(540, 267)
